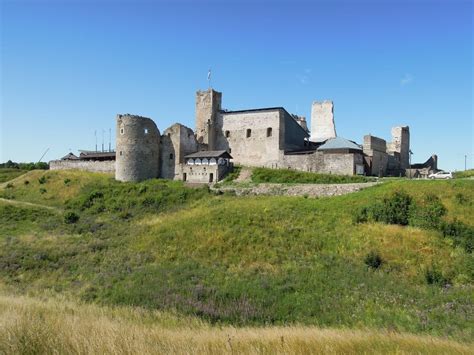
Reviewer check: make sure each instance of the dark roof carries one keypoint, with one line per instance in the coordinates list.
(87, 154)
(69, 156)
(210, 154)
(339, 143)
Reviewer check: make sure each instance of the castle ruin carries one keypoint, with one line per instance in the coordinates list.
(263, 137)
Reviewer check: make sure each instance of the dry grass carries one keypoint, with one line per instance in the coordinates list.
(31, 325)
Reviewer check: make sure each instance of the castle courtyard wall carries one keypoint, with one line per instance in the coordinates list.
(95, 166)
(324, 163)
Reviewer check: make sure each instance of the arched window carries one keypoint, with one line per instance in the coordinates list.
(269, 131)
(146, 130)
(197, 161)
(205, 161)
(171, 156)
(190, 162)
(227, 134)
(212, 161)
(249, 133)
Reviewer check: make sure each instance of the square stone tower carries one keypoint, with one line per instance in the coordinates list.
(208, 105)
(322, 121)
(401, 144)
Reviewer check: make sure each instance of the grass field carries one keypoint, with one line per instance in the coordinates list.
(37, 326)
(10, 174)
(238, 261)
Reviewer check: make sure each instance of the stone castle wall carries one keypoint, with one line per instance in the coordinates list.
(324, 163)
(177, 141)
(253, 138)
(208, 105)
(95, 166)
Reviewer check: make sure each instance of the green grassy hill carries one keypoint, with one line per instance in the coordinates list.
(238, 260)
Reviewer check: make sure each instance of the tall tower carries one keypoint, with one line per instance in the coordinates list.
(401, 144)
(322, 121)
(208, 105)
(138, 144)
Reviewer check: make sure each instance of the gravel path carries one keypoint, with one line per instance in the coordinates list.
(310, 190)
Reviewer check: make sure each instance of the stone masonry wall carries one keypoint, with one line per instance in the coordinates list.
(325, 163)
(262, 147)
(177, 142)
(138, 145)
(208, 104)
(95, 166)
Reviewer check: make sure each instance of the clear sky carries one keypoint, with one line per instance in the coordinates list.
(68, 67)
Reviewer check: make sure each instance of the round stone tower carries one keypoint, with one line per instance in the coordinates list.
(138, 148)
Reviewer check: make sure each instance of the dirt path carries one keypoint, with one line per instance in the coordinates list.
(29, 204)
(310, 190)
(245, 175)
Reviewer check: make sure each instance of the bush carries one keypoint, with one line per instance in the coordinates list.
(67, 181)
(42, 190)
(71, 217)
(9, 185)
(373, 260)
(42, 179)
(427, 214)
(26, 182)
(461, 234)
(434, 277)
(394, 209)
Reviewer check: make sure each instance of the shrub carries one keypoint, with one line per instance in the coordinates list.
(42, 179)
(9, 185)
(394, 209)
(71, 217)
(26, 182)
(427, 214)
(373, 260)
(42, 190)
(67, 181)
(434, 277)
(461, 234)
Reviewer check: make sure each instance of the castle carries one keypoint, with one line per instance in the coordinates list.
(266, 137)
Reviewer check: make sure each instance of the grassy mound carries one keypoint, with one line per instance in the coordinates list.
(240, 260)
(33, 326)
(464, 174)
(286, 176)
(10, 174)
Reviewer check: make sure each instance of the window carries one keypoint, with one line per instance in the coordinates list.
(269, 131)
(146, 130)
(227, 134)
(121, 153)
(249, 133)
(169, 135)
(171, 156)
(229, 150)
(121, 130)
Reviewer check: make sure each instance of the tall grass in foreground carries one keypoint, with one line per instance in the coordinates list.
(33, 326)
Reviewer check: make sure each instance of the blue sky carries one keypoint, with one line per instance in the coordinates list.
(68, 67)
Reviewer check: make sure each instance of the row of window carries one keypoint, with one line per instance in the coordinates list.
(248, 133)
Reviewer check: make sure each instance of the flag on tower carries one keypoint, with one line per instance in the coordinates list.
(209, 74)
